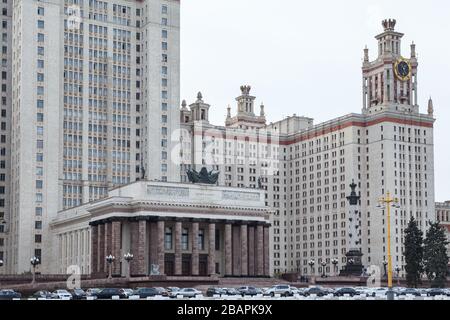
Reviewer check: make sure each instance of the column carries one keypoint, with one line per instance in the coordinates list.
(212, 249)
(116, 238)
(153, 243)
(244, 251)
(107, 240)
(251, 250)
(266, 252)
(228, 256)
(101, 249)
(160, 244)
(236, 248)
(178, 248)
(195, 255)
(94, 251)
(141, 252)
(259, 250)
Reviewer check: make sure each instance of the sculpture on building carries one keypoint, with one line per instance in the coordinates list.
(204, 176)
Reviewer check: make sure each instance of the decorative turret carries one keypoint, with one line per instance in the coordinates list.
(246, 117)
(366, 54)
(185, 113)
(430, 107)
(261, 112)
(200, 109)
(413, 50)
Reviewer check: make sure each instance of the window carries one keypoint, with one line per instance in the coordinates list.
(164, 9)
(40, 51)
(40, 117)
(40, 64)
(164, 45)
(164, 167)
(40, 144)
(168, 239)
(40, 24)
(40, 77)
(40, 130)
(40, 11)
(164, 34)
(38, 211)
(39, 157)
(185, 239)
(40, 104)
(39, 184)
(39, 197)
(40, 90)
(201, 239)
(38, 225)
(164, 21)
(38, 238)
(39, 171)
(40, 37)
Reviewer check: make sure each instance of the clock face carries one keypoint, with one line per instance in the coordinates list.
(402, 69)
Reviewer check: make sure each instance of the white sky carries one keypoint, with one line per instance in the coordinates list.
(305, 57)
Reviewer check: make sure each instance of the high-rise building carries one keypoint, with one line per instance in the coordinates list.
(5, 124)
(388, 147)
(95, 90)
(443, 217)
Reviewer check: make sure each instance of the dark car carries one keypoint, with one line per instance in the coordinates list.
(410, 291)
(317, 291)
(146, 292)
(215, 291)
(43, 294)
(162, 292)
(231, 291)
(436, 292)
(78, 294)
(9, 294)
(108, 293)
(343, 291)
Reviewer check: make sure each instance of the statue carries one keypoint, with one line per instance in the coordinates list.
(203, 176)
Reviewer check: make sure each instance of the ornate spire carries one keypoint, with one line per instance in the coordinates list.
(245, 90)
(199, 97)
(183, 105)
(430, 107)
(366, 54)
(413, 50)
(228, 112)
(389, 24)
(261, 112)
(353, 198)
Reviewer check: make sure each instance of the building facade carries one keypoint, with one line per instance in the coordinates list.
(95, 90)
(171, 229)
(443, 216)
(388, 147)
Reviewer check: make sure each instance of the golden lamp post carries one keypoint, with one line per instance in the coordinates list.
(386, 202)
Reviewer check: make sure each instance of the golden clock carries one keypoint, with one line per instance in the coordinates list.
(403, 69)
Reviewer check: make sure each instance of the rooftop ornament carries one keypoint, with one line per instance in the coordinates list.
(204, 176)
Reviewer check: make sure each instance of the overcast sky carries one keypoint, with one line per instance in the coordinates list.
(305, 57)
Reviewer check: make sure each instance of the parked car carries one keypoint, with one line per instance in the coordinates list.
(127, 292)
(145, 292)
(9, 294)
(343, 291)
(108, 293)
(215, 291)
(92, 291)
(162, 292)
(436, 292)
(247, 291)
(409, 291)
(186, 293)
(172, 289)
(282, 289)
(78, 294)
(43, 294)
(62, 294)
(318, 291)
(232, 291)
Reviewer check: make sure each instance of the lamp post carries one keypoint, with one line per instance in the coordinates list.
(34, 263)
(335, 262)
(1, 265)
(311, 264)
(110, 259)
(128, 258)
(385, 270)
(398, 269)
(387, 202)
(323, 264)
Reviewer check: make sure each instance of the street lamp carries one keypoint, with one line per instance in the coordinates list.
(323, 264)
(387, 202)
(311, 264)
(128, 257)
(398, 269)
(34, 262)
(335, 262)
(110, 259)
(385, 265)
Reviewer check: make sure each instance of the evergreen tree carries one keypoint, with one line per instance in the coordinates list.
(435, 255)
(413, 253)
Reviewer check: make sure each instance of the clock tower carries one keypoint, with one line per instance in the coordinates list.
(390, 81)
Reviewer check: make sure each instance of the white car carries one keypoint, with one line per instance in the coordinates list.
(281, 289)
(186, 293)
(62, 294)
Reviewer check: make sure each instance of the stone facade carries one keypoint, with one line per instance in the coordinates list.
(182, 229)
